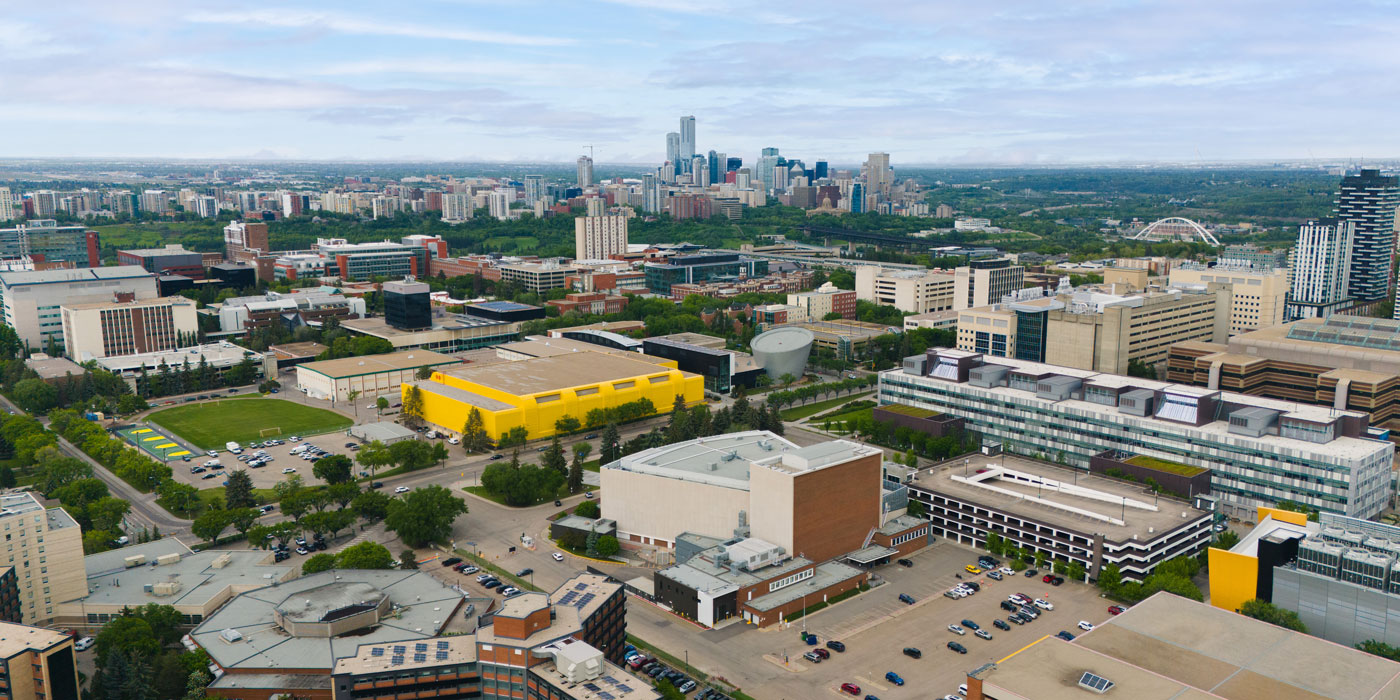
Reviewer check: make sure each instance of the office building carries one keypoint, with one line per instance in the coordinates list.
(218, 358)
(1321, 272)
(505, 311)
(673, 149)
(173, 259)
(563, 646)
(44, 548)
(449, 333)
(456, 207)
(1069, 516)
(126, 326)
(1095, 330)
(406, 305)
(722, 369)
(585, 172)
(1172, 647)
(233, 275)
(589, 303)
(686, 154)
(701, 267)
(364, 261)
(37, 663)
(32, 301)
(1260, 451)
(534, 394)
(878, 176)
(43, 240)
(1348, 362)
(910, 291)
(1257, 295)
(369, 375)
(827, 299)
(985, 282)
(1250, 255)
(1369, 200)
(538, 277)
(291, 309)
(599, 237)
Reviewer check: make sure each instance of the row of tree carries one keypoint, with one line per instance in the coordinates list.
(821, 390)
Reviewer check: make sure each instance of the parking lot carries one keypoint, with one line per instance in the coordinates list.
(875, 627)
(267, 475)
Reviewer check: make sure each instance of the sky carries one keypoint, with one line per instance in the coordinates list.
(928, 81)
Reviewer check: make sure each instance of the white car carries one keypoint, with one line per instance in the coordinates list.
(84, 643)
(1006, 570)
(1086, 625)
(1044, 604)
(557, 556)
(293, 438)
(213, 453)
(401, 489)
(288, 470)
(453, 441)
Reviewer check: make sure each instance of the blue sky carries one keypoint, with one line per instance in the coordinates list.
(525, 80)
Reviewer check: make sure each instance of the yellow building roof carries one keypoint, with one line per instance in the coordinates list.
(545, 374)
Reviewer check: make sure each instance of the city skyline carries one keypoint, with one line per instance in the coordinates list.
(929, 84)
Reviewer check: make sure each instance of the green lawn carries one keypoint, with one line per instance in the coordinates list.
(864, 413)
(811, 409)
(210, 424)
(1164, 466)
(262, 496)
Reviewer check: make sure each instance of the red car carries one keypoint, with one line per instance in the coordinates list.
(1047, 578)
(1115, 609)
(851, 688)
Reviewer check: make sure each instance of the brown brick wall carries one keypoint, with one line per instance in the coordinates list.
(771, 617)
(520, 628)
(834, 508)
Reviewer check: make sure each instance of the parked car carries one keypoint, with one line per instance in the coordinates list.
(451, 560)
(84, 643)
(905, 562)
(588, 494)
(1057, 580)
(1044, 604)
(835, 645)
(1016, 618)
(289, 470)
(1065, 636)
(267, 509)
(956, 630)
(484, 578)
(894, 678)
(1009, 606)
(972, 569)
(491, 583)
(913, 652)
(210, 475)
(591, 436)
(303, 551)
(983, 634)
(822, 653)
(994, 575)
(524, 572)
(1001, 625)
(1086, 625)
(1031, 573)
(1047, 578)
(906, 598)
(377, 485)
(851, 688)
(957, 647)
(812, 656)
(1116, 609)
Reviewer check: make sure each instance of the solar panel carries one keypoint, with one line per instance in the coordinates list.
(605, 695)
(419, 658)
(396, 660)
(592, 686)
(1098, 684)
(568, 598)
(400, 649)
(442, 656)
(377, 651)
(580, 586)
(624, 688)
(421, 646)
(585, 600)
(610, 679)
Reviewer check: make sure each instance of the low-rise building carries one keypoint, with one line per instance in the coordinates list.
(537, 277)
(819, 303)
(947, 320)
(911, 291)
(596, 303)
(449, 333)
(368, 376)
(292, 309)
(1260, 451)
(701, 267)
(219, 358)
(31, 301)
(847, 339)
(173, 259)
(53, 369)
(127, 326)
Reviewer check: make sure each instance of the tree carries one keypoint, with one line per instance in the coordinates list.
(1273, 614)
(474, 437)
(1226, 540)
(106, 513)
(177, 497)
(1110, 577)
(587, 509)
(1075, 571)
(993, 543)
(7, 475)
(575, 480)
(1040, 559)
(381, 405)
(374, 455)
(97, 541)
(408, 560)
(513, 437)
(917, 509)
(412, 405)
(371, 505)
(424, 515)
(424, 373)
(411, 455)
(667, 690)
(566, 425)
(239, 492)
(124, 674)
(318, 563)
(608, 449)
(591, 544)
(554, 457)
(608, 546)
(365, 555)
(787, 379)
(35, 395)
(242, 519)
(210, 525)
(335, 469)
(126, 633)
(1380, 649)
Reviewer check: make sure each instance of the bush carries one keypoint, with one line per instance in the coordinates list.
(588, 509)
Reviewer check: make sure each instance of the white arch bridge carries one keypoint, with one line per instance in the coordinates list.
(1175, 227)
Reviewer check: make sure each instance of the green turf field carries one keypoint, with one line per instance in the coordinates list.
(210, 424)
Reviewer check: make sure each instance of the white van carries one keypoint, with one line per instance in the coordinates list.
(234, 448)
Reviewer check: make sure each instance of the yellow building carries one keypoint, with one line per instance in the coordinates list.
(535, 393)
(1234, 573)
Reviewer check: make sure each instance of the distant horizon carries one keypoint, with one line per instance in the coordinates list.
(937, 84)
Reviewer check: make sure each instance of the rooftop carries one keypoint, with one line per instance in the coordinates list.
(855, 330)
(169, 249)
(380, 328)
(1059, 496)
(159, 301)
(826, 575)
(217, 354)
(544, 346)
(16, 639)
(1268, 527)
(702, 573)
(544, 374)
(19, 503)
(290, 351)
(503, 306)
(382, 431)
(613, 684)
(198, 578)
(373, 364)
(11, 279)
(704, 341)
(394, 656)
(55, 367)
(420, 607)
(469, 398)
(720, 460)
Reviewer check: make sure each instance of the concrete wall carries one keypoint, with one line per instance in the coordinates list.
(655, 507)
(1338, 611)
(773, 519)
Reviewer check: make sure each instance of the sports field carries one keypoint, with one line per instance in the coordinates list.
(154, 444)
(211, 424)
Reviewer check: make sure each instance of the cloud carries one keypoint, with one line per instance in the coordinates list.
(347, 24)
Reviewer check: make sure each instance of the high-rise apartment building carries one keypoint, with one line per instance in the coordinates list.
(45, 203)
(651, 193)
(498, 205)
(155, 201)
(878, 177)
(7, 204)
(700, 171)
(243, 238)
(767, 167)
(534, 188)
(37, 663)
(585, 171)
(599, 237)
(127, 327)
(912, 291)
(687, 144)
(456, 207)
(1369, 200)
(1322, 268)
(981, 282)
(294, 204)
(45, 547)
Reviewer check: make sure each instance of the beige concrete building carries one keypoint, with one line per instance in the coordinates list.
(1126, 279)
(45, 547)
(599, 237)
(816, 304)
(30, 300)
(37, 663)
(1095, 330)
(133, 327)
(934, 319)
(913, 291)
(1257, 296)
(370, 375)
(985, 282)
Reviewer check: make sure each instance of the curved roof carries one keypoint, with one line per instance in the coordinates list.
(783, 339)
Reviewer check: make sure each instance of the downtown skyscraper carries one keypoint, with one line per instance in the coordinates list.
(1369, 200)
(687, 145)
(585, 171)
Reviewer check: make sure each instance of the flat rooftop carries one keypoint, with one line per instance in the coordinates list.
(135, 303)
(1268, 527)
(422, 606)
(704, 341)
(393, 656)
(1086, 503)
(827, 574)
(729, 455)
(613, 684)
(380, 328)
(383, 431)
(19, 503)
(15, 638)
(200, 576)
(217, 354)
(544, 346)
(291, 351)
(374, 364)
(544, 374)
(84, 274)
(55, 367)
(701, 573)
(484, 403)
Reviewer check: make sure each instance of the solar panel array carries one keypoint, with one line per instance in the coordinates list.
(618, 685)
(419, 658)
(441, 655)
(1098, 684)
(396, 660)
(443, 645)
(585, 600)
(377, 651)
(421, 646)
(399, 649)
(568, 598)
